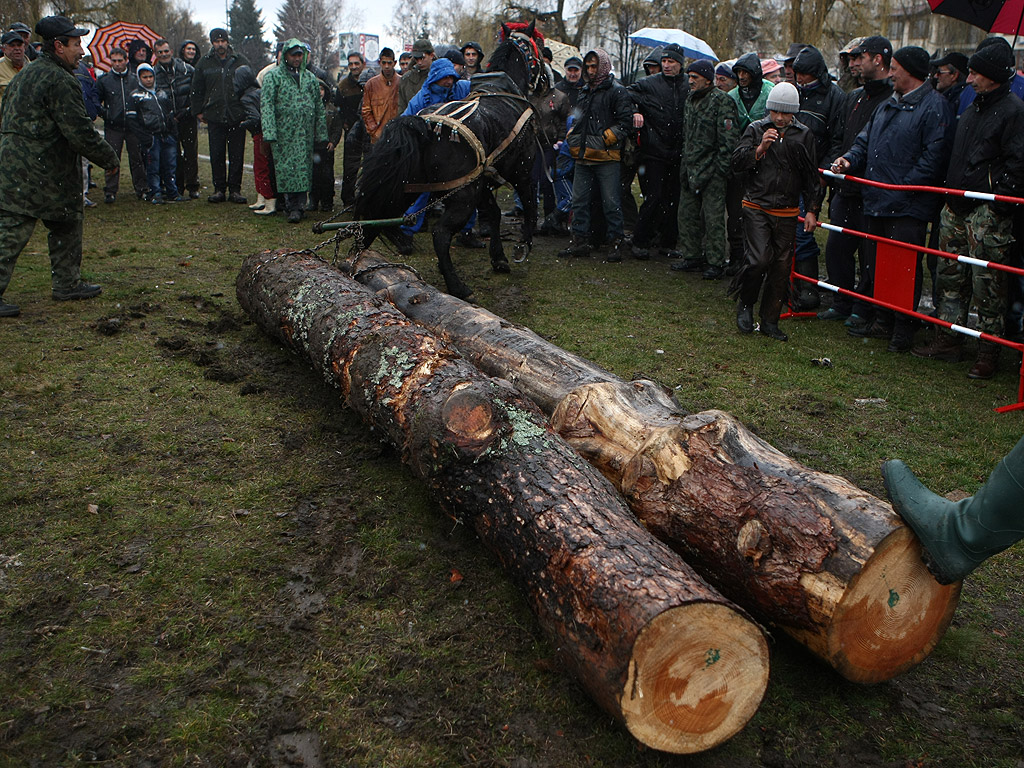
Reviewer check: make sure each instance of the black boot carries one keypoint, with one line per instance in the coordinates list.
(805, 295)
(744, 317)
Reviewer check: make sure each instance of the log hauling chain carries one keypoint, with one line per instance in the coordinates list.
(454, 116)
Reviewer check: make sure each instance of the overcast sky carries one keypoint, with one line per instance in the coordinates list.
(375, 16)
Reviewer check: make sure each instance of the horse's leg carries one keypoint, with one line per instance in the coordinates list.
(528, 195)
(457, 211)
(489, 212)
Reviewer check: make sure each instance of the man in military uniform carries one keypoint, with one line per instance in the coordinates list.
(414, 77)
(43, 131)
(710, 132)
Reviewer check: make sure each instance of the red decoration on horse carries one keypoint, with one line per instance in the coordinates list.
(529, 31)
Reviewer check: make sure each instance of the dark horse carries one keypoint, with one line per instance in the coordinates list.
(462, 151)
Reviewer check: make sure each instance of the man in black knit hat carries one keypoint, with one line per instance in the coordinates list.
(987, 156)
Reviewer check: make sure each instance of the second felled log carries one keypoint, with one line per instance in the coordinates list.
(651, 642)
(807, 551)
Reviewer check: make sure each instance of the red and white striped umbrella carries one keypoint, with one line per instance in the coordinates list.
(119, 34)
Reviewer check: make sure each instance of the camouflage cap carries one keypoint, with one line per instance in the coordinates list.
(848, 48)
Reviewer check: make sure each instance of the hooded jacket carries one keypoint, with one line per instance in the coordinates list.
(248, 91)
(213, 88)
(751, 101)
(988, 150)
(138, 45)
(293, 119)
(150, 113)
(432, 92)
(605, 116)
(821, 104)
(904, 142)
(113, 89)
(194, 60)
(479, 66)
(660, 99)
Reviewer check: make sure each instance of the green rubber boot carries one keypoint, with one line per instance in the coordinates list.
(958, 536)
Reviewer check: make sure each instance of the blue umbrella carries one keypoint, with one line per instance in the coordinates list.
(692, 46)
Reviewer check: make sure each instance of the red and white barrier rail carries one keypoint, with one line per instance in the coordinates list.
(913, 249)
(986, 196)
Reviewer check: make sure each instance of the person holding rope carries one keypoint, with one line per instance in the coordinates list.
(987, 156)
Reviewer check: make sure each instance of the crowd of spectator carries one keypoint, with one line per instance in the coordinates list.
(730, 157)
(727, 158)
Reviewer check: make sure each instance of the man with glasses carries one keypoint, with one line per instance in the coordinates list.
(950, 76)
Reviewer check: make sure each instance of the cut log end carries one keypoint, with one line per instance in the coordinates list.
(892, 615)
(697, 675)
(469, 421)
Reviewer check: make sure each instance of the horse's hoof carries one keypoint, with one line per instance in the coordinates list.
(522, 252)
(501, 267)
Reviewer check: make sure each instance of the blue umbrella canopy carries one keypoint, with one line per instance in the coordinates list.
(692, 46)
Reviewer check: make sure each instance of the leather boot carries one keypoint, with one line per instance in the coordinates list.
(958, 536)
(943, 346)
(985, 365)
(578, 246)
(772, 331)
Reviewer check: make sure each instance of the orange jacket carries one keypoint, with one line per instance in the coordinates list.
(380, 104)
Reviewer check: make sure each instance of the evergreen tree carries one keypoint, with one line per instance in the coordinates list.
(246, 33)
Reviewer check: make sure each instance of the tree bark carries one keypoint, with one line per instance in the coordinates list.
(650, 641)
(810, 552)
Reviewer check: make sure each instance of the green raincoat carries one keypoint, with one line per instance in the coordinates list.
(293, 118)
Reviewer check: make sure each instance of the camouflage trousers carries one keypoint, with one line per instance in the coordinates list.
(702, 222)
(981, 234)
(64, 239)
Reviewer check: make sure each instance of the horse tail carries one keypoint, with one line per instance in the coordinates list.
(395, 160)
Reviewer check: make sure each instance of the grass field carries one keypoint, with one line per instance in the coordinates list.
(206, 560)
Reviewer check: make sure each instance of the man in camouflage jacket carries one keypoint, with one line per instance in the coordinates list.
(44, 131)
(710, 132)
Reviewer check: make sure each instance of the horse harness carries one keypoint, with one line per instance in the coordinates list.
(453, 115)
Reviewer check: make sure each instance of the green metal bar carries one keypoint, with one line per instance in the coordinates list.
(330, 226)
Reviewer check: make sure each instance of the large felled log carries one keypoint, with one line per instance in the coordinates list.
(650, 641)
(807, 551)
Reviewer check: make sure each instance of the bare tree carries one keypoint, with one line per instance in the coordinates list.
(551, 17)
(412, 20)
(479, 22)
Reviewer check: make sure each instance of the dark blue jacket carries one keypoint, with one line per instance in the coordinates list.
(905, 142)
